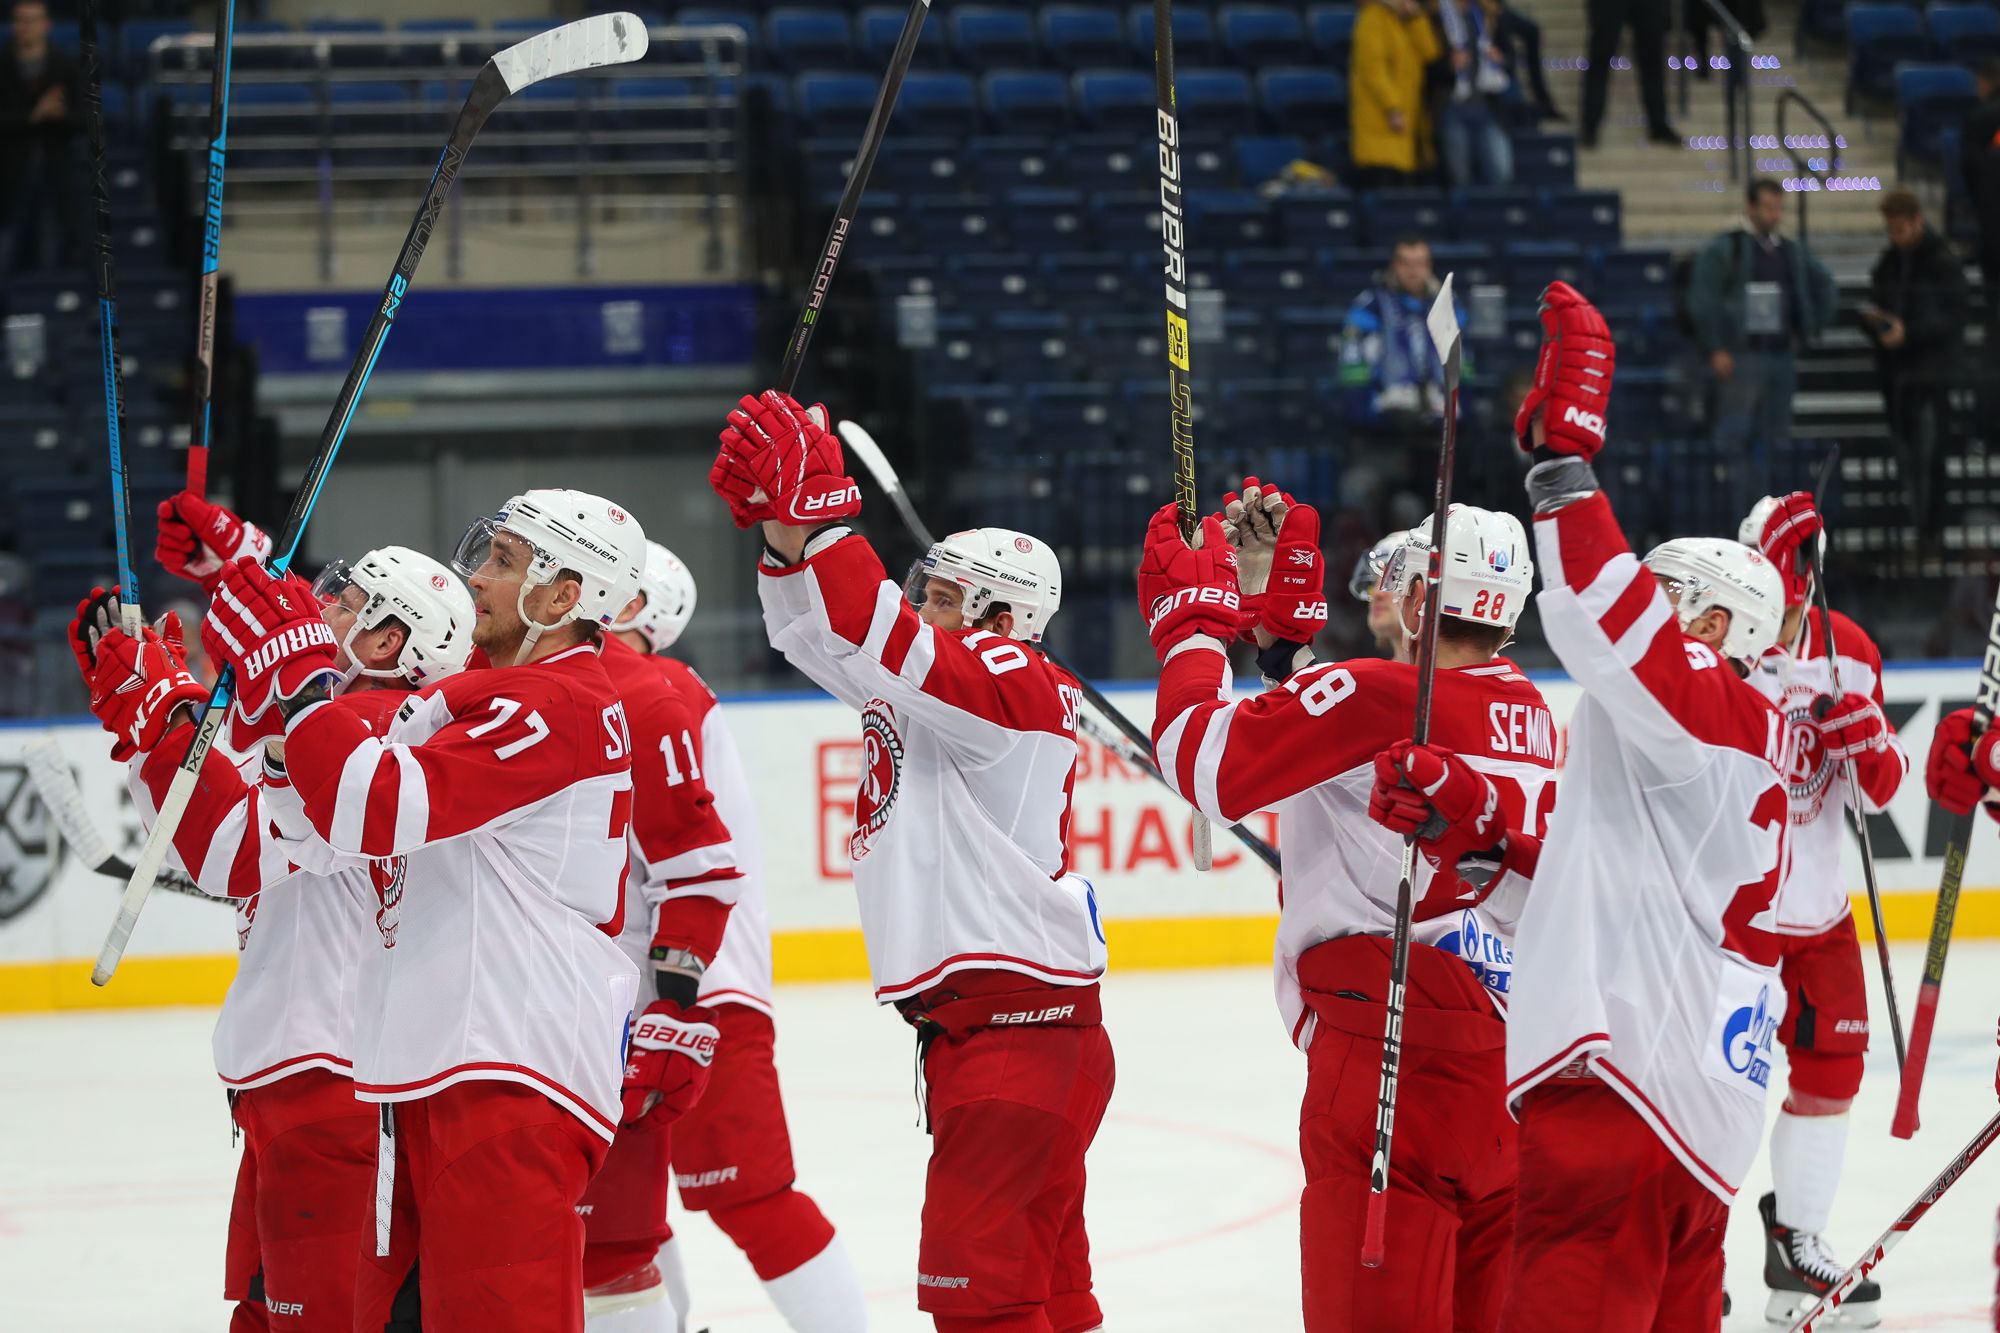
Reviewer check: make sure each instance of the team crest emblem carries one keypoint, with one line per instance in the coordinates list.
(438, 582)
(617, 514)
(1499, 559)
(1023, 545)
(1808, 768)
(386, 873)
(881, 776)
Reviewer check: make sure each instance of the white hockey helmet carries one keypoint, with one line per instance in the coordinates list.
(1751, 533)
(1488, 574)
(434, 609)
(1714, 571)
(998, 565)
(1367, 575)
(669, 592)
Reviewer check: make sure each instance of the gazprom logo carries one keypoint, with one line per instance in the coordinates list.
(1484, 950)
(1746, 1039)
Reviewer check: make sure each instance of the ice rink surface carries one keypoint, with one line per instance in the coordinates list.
(116, 1164)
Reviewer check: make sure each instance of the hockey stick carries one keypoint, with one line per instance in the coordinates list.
(211, 252)
(1811, 557)
(850, 195)
(606, 39)
(1443, 322)
(129, 618)
(1912, 1215)
(1123, 736)
(64, 800)
(1173, 243)
(1946, 912)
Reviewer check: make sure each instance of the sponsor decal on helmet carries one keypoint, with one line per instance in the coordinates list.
(1499, 559)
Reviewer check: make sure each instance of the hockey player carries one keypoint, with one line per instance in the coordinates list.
(1365, 586)
(732, 1153)
(493, 1006)
(1825, 1032)
(973, 929)
(285, 1036)
(1308, 748)
(1646, 993)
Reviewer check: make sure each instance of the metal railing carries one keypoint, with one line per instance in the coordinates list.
(342, 112)
(1738, 49)
(1800, 147)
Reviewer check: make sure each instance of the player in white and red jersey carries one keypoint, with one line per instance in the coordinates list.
(284, 1039)
(973, 928)
(1825, 1031)
(732, 1153)
(1308, 748)
(1646, 991)
(492, 1012)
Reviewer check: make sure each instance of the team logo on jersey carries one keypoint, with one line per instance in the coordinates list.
(1746, 1039)
(386, 873)
(881, 776)
(246, 916)
(1807, 766)
(1484, 950)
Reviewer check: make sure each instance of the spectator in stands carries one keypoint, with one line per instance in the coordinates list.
(1979, 153)
(40, 102)
(1395, 382)
(1519, 39)
(1391, 139)
(1917, 307)
(1648, 20)
(1755, 298)
(1475, 147)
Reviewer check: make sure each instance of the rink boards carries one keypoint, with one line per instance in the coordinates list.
(804, 755)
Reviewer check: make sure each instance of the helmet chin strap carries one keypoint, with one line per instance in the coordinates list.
(354, 667)
(532, 630)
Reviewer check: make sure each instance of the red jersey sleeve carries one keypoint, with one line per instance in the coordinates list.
(1881, 772)
(224, 840)
(685, 852)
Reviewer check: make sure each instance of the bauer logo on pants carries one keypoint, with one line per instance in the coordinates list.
(881, 776)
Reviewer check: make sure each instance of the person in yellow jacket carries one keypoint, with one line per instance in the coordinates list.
(1388, 117)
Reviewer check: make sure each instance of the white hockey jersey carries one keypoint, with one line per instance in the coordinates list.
(1649, 945)
(969, 750)
(1814, 899)
(1308, 750)
(494, 815)
(304, 914)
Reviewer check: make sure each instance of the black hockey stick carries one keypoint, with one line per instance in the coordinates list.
(211, 251)
(850, 196)
(1866, 1264)
(1984, 704)
(1173, 245)
(1443, 321)
(1123, 737)
(64, 800)
(107, 322)
(606, 39)
(1814, 561)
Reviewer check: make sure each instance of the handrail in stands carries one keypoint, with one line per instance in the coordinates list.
(1735, 84)
(1801, 163)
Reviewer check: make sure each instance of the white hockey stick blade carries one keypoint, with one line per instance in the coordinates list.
(50, 773)
(1443, 321)
(871, 455)
(605, 39)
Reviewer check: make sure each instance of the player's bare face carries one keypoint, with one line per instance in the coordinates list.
(496, 594)
(339, 616)
(943, 605)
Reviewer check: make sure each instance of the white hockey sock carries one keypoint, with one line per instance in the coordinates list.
(822, 1295)
(674, 1274)
(1806, 1154)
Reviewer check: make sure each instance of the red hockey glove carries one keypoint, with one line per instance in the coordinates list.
(135, 684)
(1428, 791)
(1183, 590)
(1852, 726)
(271, 631)
(1959, 772)
(666, 1067)
(96, 616)
(1792, 522)
(1573, 378)
(1253, 530)
(1295, 598)
(198, 538)
(788, 460)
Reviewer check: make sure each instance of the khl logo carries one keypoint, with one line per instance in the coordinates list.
(1746, 1040)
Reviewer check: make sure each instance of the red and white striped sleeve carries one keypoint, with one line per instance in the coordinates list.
(1881, 771)
(225, 841)
(683, 849)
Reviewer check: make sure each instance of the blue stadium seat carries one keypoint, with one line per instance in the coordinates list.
(951, 224)
(135, 42)
(993, 282)
(1092, 281)
(272, 108)
(1544, 160)
(62, 512)
(1260, 157)
(1309, 337)
(1225, 219)
(1271, 277)
(351, 54)
(904, 275)
(1066, 417)
(1030, 345)
(1345, 272)
(827, 162)
(955, 358)
(988, 417)
(247, 56)
(1116, 100)
(929, 165)
(799, 38)
(1258, 35)
(992, 36)
(1127, 221)
(1821, 20)
(140, 242)
(62, 296)
(1005, 162)
(1470, 261)
(1637, 277)
(1317, 219)
(1331, 28)
(1111, 161)
(1124, 345)
(1026, 101)
(1394, 213)
(1285, 403)
(1533, 265)
(1498, 216)
(1214, 103)
(833, 104)
(1880, 36)
(1194, 34)
(1932, 97)
(1081, 36)
(1965, 34)
(1209, 165)
(877, 28)
(881, 225)
(723, 15)
(936, 102)
(36, 442)
(1044, 221)
(1303, 101)
(1588, 217)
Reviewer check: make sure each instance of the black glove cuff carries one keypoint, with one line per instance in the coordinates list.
(1559, 479)
(1283, 659)
(679, 987)
(318, 691)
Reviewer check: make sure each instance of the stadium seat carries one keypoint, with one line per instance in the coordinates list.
(993, 282)
(1932, 97)
(1309, 337)
(350, 54)
(950, 224)
(1214, 103)
(904, 275)
(1260, 157)
(992, 36)
(955, 357)
(427, 43)
(1124, 345)
(1284, 403)
(1498, 216)
(1258, 35)
(1331, 30)
(1127, 221)
(1637, 277)
(1270, 277)
(1044, 221)
(1821, 20)
(800, 39)
(253, 56)
(62, 512)
(139, 243)
(1223, 219)
(273, 108)
(1544, 160)
(1108, 161)
(987, 417)
(878, 27)
(1116, 101)
(881, 226)
(1082, 36)
(1588, 217)
(936, 102)
(1317, 219)
(36, 442)
(726, 16)
(833, 105)
(1344, 273)
(1006, 162)
(1303, 101)
(58, 296)
(1026, 101)
(1533, 265)
(1209, 166)
(1880, 36)
(1066, 417)
(1030, 345)
(135, 44)
(920, 166)
(1092, 281)
(827, 162)
(1471, 262)
(1194, 34)
(1965, 34)
(1395, 213)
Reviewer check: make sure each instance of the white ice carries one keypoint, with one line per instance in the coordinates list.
(116, 1164)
